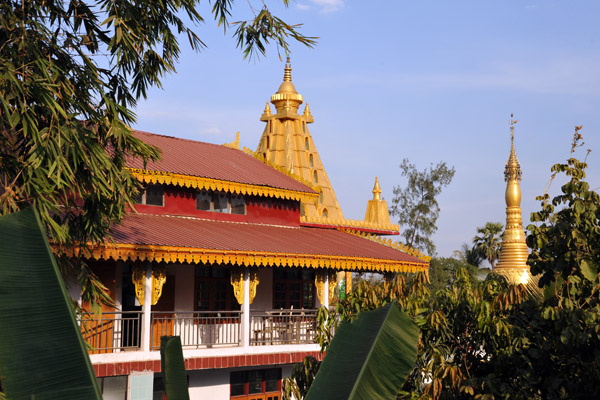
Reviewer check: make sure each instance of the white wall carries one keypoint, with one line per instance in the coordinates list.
(211, 384)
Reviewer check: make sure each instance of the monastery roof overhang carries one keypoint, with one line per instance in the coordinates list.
(194, 240)
(203, 165)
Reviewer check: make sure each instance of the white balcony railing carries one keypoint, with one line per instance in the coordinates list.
(107, 332)
(197, 329)
(282, 327)
(111, 332)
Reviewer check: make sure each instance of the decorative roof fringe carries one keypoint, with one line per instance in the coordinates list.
(134, 252)
(199, 182)
(354, 223)
(388, 242)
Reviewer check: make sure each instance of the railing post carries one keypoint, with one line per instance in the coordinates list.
(246, 310)
(146, 308)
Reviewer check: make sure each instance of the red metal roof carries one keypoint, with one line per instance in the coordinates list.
(195, 233)
(207, 160)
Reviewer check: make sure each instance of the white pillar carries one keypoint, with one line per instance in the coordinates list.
(326, 291)
(246, 310)
(147, 307)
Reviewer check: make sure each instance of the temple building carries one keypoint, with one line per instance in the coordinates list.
(514, 252)
(234, 251)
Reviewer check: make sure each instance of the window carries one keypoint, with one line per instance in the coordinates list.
(256, 384)
(304, 127)
(213, 291)
(152, 195)
(306, 144)
(221, 202)
(268, 143)
(315, 177)
(293, 288)
(311, 161)
(325, 213)
(238, 204)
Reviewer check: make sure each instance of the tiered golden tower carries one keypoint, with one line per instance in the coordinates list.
(286, 142)
(513, 257)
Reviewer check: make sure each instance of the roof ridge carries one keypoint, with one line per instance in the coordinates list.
(214, 220)
(183, 139)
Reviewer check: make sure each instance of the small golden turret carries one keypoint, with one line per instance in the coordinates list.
(513, 256)
(377, 209)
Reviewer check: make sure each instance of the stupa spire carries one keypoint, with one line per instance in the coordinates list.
(513, 256)
(287, 71)
(287, 142)
(377, 209)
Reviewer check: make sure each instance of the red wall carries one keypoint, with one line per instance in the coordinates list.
(182, 201)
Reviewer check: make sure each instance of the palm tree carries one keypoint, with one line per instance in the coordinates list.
(488, 241)
(469, 255)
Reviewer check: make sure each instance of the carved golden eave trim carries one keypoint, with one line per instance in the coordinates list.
(351, 223)
(332, 284)
(254, 281)
(236, 278)
(246, 258)
(159, 277)
(389, 243)
(283, 170)
(199, 182)
(319, 283)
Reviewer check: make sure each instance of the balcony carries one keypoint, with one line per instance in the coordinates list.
(123, 331)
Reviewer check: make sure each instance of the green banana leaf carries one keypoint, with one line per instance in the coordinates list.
(42, 353)
(368, 359)
(173, 368)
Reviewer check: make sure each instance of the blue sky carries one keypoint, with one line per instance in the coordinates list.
(424, 80)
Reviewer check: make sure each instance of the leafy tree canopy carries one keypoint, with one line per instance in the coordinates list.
(416, 205)
(492, 340)
(488, 241)
(71, 73)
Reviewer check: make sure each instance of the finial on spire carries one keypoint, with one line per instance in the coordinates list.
(306, 110)
(267, 109)
(512, 169)
(512, 128)
(376, 190)
(287, 74)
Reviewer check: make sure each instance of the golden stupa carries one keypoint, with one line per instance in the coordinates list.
(286, 142)
(512, 263)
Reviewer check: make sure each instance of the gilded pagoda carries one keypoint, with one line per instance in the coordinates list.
(513, 256)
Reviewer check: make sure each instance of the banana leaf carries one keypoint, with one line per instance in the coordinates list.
(173, 368)
(42, 353)
(368, 359)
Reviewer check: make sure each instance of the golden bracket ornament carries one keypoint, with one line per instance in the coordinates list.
(320, 281)
(237, 281)
(159, 277)
(254, 281)
(236, 278)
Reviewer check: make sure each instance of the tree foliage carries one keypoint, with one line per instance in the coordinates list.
(492, 340)
(444, 270)
(416, 205)
(488, 241)
(470, 255)
(71, 73)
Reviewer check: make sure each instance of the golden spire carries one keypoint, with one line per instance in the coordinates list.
(287, 143)
(376, 190)
(377, 210)
(513, 256)
(306, 110)
(287, 71)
